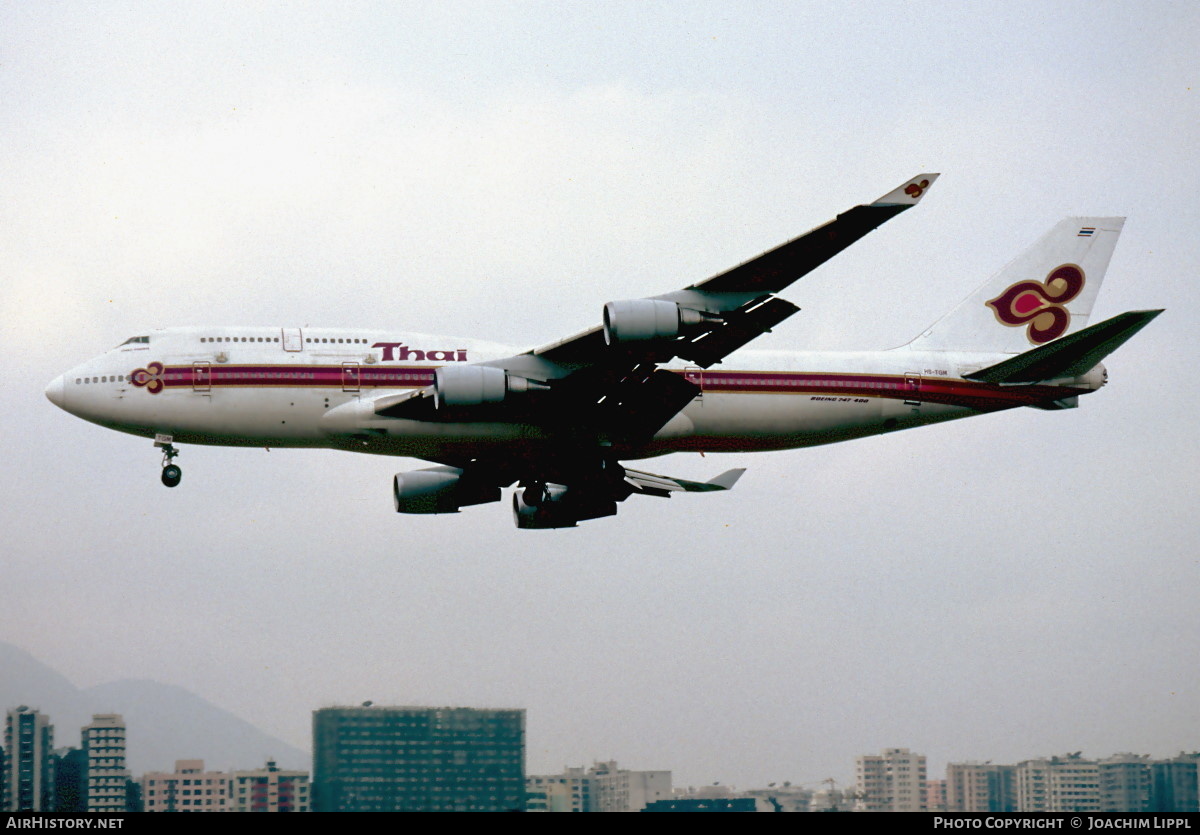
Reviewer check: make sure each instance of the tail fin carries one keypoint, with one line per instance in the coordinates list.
(1045, 293)
(1071, 356)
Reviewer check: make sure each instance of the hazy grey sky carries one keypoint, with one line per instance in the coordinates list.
(1004, 587)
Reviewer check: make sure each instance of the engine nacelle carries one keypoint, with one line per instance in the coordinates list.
(540, 507)
(475, 385)
(440, 490)
(640, 320)
(547, 506)
(469, 385)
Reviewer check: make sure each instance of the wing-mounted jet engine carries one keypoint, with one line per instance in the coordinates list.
(542, 506)
(476, 385)
(441, 490)
(643, 320)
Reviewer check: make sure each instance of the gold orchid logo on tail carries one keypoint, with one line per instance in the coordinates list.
(1040, 304)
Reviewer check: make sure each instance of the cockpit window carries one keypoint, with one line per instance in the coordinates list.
(145, 340)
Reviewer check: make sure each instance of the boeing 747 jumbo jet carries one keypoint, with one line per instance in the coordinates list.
(559, 420)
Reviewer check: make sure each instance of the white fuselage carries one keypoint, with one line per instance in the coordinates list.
(315, 388)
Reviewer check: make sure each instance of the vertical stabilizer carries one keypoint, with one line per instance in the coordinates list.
(1045, 293)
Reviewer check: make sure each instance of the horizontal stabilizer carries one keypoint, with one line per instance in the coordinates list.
(661, 485)
(1071, 356)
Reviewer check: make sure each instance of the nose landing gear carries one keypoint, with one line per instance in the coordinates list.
(171, 473)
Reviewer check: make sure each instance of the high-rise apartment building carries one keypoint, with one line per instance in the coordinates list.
(28, 764)
(1058, 784)
(270, 789)
(893, 781)
(1125, 783)
(384, 759)
(935, 796)
(70, 781)
(107, 777)
(980, 787)
(1173, 784)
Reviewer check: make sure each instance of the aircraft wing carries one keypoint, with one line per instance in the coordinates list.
(740, 300)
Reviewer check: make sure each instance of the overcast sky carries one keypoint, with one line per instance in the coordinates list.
(1010, 586)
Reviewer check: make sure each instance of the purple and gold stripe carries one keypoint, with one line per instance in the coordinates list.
(949, 391)
(355, 376)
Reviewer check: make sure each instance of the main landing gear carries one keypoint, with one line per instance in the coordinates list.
(171, 473)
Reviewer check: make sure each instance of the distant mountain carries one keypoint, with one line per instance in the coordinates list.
(164, 723)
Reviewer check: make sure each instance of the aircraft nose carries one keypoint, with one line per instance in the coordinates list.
(56, 392)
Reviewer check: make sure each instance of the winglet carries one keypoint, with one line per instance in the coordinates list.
(909, 193)
(727, 479)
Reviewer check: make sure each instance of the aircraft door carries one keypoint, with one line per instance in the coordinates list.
(202, 377)
(350, 377)
(695, 376)
(292, 339)
(912, 389)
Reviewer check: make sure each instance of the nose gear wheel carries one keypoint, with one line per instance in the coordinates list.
(171, 472)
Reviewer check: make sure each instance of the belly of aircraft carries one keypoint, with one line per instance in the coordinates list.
(761, 422)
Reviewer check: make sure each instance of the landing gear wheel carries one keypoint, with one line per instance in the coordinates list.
(171, 475)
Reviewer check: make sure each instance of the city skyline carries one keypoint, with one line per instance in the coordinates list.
(996, 588)
(898, 757)
(373, 757)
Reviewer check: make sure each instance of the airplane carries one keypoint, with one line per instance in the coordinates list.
(557, 421)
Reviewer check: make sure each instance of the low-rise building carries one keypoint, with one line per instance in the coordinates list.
(604, 787)
(270, 789)
(188, 789)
